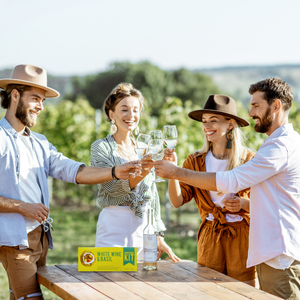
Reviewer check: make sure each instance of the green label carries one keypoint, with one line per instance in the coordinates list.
(128, 256)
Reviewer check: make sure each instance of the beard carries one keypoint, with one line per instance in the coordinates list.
(23, 115)
(265, 122)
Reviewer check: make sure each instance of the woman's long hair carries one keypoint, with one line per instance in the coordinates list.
(237, 152)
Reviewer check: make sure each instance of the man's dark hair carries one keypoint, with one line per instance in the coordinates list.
(274, 88)
(6, 94)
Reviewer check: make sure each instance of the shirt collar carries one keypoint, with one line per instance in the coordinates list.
(5, 124)
(280, 130)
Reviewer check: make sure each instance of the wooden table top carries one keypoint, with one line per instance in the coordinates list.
(182, 280)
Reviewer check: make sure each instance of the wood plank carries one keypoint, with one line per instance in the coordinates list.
(65, 286)
(100, 283)
(199, 282)
(226, 281)
(136, 286)
(169, 285)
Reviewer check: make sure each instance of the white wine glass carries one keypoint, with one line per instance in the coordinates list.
(141, 146)
(156, 134)
(170, 136)
(156, 147)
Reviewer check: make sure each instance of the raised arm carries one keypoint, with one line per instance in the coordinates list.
(94, 175)
(201, 180)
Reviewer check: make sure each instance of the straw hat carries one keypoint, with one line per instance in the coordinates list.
(32, 76)
(220, 105)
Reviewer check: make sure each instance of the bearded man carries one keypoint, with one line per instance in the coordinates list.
(26, 160)
(274, 178)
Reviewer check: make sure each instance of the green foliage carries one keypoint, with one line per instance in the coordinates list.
(71, 128)
(154, 83)
(190, 136)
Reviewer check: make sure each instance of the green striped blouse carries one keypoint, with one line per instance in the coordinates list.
(105, 154)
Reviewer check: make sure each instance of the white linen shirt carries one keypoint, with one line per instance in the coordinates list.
(274, 177)
(52, 163)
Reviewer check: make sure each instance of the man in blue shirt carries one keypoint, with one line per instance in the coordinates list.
(26, 160)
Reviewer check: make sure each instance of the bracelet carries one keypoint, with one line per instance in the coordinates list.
(160, 233)
(113, 173)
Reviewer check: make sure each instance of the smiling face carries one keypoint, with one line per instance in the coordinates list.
(126, 114)
(30, 105)
(216, 126)
(261, 112)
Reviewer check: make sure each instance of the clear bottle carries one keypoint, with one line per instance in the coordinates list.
(150, 244)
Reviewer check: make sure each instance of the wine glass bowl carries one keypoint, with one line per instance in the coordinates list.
(156, 134)
(170, 136)
(141, 145)
(156, 147)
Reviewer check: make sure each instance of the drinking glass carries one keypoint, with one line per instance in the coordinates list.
(156, 147)
(170, 136)
(156, 134)
(141, 146)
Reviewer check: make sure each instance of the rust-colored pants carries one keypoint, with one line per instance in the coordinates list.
(21, 265)
(228, 255)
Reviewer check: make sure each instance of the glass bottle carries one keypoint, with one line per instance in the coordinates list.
(150, 244)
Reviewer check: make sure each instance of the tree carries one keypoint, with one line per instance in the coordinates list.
(154, 83)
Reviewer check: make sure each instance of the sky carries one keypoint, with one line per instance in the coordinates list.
(72, 37)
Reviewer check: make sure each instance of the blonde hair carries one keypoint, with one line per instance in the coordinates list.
(237, 152)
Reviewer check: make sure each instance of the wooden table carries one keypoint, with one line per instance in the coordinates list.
(183, 280)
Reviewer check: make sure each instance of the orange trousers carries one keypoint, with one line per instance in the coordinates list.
(226, 251)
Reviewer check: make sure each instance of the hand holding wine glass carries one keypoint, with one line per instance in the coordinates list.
(141, 147)
(156, 149)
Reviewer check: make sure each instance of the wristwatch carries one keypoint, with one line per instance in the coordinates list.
(160, 233)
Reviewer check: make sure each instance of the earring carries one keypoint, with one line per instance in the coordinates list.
(229, 137)
(136, 130)
(113, 127)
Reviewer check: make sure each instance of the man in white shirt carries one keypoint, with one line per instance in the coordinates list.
(274, 177)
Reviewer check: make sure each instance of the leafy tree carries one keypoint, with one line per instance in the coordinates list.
(154, 83)
(70, 127)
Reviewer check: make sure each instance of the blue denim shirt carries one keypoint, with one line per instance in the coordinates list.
(52, 163)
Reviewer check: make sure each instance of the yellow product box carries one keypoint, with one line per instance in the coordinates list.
(107, 259)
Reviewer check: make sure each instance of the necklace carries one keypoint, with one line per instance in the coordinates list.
(127, 154)
(219, 156)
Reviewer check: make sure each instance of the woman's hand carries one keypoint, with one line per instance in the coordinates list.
(170, 155)
(147, 163)
(235, 203)
(162, 247)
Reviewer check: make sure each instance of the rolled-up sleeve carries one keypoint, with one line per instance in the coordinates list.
(61, 167)
(270, 159)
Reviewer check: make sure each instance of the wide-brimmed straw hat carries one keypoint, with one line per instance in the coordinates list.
(221, 105)
(32, 76)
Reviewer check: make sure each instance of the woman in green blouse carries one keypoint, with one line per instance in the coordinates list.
(122, 219)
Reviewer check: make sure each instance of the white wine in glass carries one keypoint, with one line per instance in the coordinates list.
(156, 149)
(170, 136)
(141, 146)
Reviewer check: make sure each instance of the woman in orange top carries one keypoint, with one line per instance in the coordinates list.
(223, 235)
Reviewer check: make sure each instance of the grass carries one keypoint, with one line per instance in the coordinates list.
(76, 227)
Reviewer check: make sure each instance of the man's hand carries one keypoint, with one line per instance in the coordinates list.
(162, 247)
(165, 169)
(37, 211)
(124, 171)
